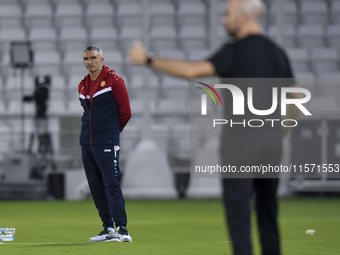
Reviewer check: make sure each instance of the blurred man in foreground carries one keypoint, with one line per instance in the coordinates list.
(251, 56)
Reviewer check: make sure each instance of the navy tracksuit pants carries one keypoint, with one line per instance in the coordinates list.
(103, 175)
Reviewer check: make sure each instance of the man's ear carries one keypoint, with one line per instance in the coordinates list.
(102, 58)
(245, 17)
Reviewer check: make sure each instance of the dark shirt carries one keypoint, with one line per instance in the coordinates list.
(252, 61)
(252, 57)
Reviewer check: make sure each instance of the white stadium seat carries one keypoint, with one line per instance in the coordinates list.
(193, 37)
(290, 13)
(38, 15)
(192, 13)
(311, 36)
(325, 60)
(299, 59)
(333, 34)
(314, 12)
(162, 14)
(163, 38)
(129, 14)
(335, 11)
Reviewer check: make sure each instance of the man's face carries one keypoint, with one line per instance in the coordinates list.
(92, 60)
(231, 19)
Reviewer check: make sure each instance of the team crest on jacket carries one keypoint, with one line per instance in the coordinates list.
(103, 83)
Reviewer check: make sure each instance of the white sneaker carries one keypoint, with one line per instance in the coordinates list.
(123, 234)
(107, 235)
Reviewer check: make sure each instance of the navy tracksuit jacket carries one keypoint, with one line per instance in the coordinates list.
(106, 111)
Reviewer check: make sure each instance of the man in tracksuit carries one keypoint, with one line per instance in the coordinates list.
(105, 100)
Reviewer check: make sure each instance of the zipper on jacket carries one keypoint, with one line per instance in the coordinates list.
(90, 128)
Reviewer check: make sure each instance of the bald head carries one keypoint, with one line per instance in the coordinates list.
(241, 14)
(255, 8)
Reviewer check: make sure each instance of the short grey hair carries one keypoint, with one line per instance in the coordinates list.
(93, 47)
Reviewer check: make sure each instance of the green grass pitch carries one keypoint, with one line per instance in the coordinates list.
(163, 227)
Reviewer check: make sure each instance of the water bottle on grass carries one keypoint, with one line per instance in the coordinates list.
(7, 234)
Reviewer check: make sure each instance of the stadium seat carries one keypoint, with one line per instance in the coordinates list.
(137, 106)
(99, 14)
(9, 2)
(290, 13)
(69, 15)
(311, 36)
(56, 2)
(5, 136)
(329, 84)
(73, 82)
(172, 54)
(15, 83)
(335, 11)
(41, 2)
(174, 88)
(43, 38)
(162, 14)
(74, 108)
(333, 34)
(73, 57)
(75, 69)
(157, 1)
(58, 82)
(180, 137)
(10, 34)
(114, 60)
(192, 13)
(220, 8)
(306, 135)
(127, 35)
(87, 2)
(129, 139)
(46, 63)
(10, 16)
(325, 60)
(174, 107)
(136, 88)
(73, 63)
(105, 37)
(134, 69)
(159, 133)
(333, 149)
(129, 14)
(307, 81)
(163, 38)
(289, 35)
(323, 105)
(299, 59)
(193, 37)
(38, 15)
(314, 12)
(73, 38)
(56, 105)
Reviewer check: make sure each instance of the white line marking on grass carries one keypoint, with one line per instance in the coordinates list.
(68, 243)
(151, 221)
(301, 241)
(312, 220)
(290, 241)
